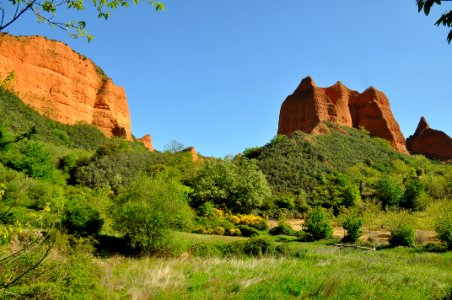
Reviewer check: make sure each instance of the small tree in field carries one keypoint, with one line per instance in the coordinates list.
(149, 209)
(318, 226)
(354, 226)
(444, 227)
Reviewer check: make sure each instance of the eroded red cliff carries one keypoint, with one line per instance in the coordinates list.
(147, 142)
(64, 85)
(432, 143)
(309, 106)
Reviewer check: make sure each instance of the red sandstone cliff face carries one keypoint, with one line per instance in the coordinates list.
(430, 142)
(193, 153)
(309, 106)
(147, 141)
(63, 85)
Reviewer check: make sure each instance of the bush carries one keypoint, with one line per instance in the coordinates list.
(443, 227)
(240, 186)
(318, 226)
(251, 220)
(412, 198)
(285, 201)
(149, 209)
(33, 159)
(80, 218)
(255, 247)
(248, 231)
(403, 235)
(282, 229)
(353, 224)
(390, 192)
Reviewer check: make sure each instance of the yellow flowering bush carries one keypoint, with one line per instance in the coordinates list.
(251, 220)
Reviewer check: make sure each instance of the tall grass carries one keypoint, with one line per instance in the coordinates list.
(324, 272)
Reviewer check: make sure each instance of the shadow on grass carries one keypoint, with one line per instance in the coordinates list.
(108, 246)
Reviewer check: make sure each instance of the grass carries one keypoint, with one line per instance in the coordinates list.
(323, 272)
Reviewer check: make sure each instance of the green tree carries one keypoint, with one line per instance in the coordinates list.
(318, 225)
(149, 209)
(239, 186)
(445, 19)
(444, 227)
(46, 11)
(390, 192)
(354, 226)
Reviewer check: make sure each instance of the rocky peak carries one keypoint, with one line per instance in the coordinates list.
(64, 85)
(193, 153)
(147, 142)
(421, 126)
(309, 106)
(306, 84)
(432, 143)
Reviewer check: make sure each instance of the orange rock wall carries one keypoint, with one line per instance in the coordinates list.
(147, 142)
(64, 85)
(309, 106)
(432, 143)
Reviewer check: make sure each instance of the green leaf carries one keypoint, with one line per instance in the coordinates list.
(48, 7)
(420, 5)
(158, 6)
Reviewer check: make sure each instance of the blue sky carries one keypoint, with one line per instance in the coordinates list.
(213, 74)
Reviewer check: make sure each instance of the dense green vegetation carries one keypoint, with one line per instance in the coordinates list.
(77, 209)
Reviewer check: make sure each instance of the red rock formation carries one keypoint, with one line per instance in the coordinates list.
(193, 153)
(309, 106)
(430, 142)
(64, 85)
(147, 141)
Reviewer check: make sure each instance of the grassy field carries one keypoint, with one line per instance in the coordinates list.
(322, 271)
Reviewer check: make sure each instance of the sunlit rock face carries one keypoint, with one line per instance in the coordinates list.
(310, 106)
(147, 142)
(64, 85)
(432, 143)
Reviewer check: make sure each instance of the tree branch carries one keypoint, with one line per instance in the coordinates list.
(17, 16)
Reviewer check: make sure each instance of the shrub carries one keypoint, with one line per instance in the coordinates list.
(249, 220)
(403, 235)
(443, 227)
(318, 226)
(282, 229)
(285, 201)
(149, 209)
(412, 197)
(33, 159)
(390, 192)
(351, 196)
(239, 186)
(255, 247)
(353, 224)
(79, 217)
(248, 231)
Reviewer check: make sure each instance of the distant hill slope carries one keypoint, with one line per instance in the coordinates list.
(300, 162)
(18, 118)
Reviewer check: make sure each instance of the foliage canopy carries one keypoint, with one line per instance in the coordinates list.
(46, 11)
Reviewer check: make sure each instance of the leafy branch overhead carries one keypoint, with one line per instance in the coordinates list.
(46, 12)
(445, 19)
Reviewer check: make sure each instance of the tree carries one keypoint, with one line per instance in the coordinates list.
(318, 225)
(45, 11)
(239, 186)
(445, 19)
(149, 209)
